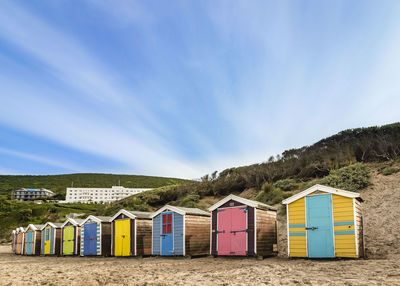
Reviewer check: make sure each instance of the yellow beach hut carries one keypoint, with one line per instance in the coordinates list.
(324, 222)
(131, 233)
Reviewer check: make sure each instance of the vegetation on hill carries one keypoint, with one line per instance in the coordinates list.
(14, 214)
(59, 183)
(351, 178)
(292, 170)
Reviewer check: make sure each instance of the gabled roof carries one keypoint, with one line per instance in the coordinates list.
(97, 219)
(35, 226)
(74, 221)
(52, 224)
(323, 189)
(133, 214)
(244, 201)
(181, 210)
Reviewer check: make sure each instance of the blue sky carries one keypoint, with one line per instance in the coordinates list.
(183, 88)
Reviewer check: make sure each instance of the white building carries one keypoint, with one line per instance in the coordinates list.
(31, 194)
(100, 195)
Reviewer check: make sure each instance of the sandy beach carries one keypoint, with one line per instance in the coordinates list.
(22, 270)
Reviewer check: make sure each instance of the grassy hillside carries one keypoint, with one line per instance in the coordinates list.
(59, 183)
(14, 214)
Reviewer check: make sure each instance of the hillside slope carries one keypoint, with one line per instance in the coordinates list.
(59, 183)
(293, 169)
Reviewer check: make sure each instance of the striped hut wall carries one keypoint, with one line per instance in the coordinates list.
(178, 233)
(344, 229)
(297, 233)
(42, 241)
(52, 240)
(156, 235)
(132, 237)
(98, 236)
(197, 235)
(81, 246)
(360, 227)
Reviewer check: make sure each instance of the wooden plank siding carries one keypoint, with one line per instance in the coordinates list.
(57, 249)
(343, 217)
(38, 238)
(297, 232)
(105, 238)
(266, 232)
(197, 235)
(143, 236)
(360, 228)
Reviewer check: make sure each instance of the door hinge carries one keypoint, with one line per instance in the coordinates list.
(222, 231)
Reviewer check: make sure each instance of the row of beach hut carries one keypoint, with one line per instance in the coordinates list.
(323, 222)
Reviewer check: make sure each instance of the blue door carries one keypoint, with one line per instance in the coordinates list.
(319, 226)
(29, 242)
(90, 239)
(167, 234)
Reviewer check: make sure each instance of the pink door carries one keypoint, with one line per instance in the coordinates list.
(232, 231)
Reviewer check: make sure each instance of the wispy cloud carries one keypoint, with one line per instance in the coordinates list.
(205, 85)
(40, 159)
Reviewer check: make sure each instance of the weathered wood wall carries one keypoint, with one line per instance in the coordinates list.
(105, 238)
(38, 242)
(57, 249)
(197, 235)
(144, 236)
(360, 228)
(266, 232)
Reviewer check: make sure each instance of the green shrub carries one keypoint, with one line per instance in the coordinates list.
(271, 195)
(351, 178)
(388, 171)
(190, 201)
(287, 184)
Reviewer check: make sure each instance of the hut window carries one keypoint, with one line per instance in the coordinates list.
(47, 233)
(167, 223)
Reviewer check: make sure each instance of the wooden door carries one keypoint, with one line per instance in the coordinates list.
(47, 238)
(122, 237)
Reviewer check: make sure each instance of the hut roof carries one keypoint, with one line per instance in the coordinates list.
(74, 221)
(322, 188)
(182, 211)
(52, 224)
(96, 219)
(133, 214)
(35, 226)
(244, 201)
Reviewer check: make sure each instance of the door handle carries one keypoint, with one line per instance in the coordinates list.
(311, 228)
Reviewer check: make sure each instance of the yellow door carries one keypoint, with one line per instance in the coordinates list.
(122, 237)
(47, 238)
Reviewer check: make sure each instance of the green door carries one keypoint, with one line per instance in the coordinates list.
(68, 240)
